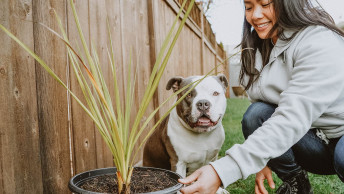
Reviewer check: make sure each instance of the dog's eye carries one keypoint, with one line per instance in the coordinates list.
(189, 95)
(216, 94)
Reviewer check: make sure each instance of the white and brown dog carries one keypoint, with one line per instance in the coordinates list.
(193, 134)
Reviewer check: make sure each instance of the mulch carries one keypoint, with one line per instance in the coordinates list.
(141, 182)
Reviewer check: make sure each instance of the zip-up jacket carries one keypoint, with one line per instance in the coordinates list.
(305, 78)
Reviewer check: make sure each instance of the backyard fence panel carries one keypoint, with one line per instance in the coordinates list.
(52, 98)
(113, 10)
(129, 48)
(99, 39)
(165, 18)
(196, 55)
(50, 133)
(188, 53)
(115, 17)
(152, 10)
(209, 60)
(186, 57)
(221, 69)
(136, 48)
(82, 126)
(143, 63)
(20, 164)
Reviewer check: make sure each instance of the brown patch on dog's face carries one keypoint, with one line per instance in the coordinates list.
(185, 106)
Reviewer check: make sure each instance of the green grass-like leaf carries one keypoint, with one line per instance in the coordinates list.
(112, 117)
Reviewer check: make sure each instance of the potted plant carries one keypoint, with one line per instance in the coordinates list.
(112, 118)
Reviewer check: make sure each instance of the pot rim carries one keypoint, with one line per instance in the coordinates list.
(77, 179)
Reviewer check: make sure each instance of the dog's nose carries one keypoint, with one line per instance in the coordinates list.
(203, 105)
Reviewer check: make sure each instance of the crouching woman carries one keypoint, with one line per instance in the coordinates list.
(293, 72)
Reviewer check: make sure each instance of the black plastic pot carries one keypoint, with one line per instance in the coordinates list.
(78, 179)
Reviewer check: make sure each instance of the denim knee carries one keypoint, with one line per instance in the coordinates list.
(339, 159)
(256, 114)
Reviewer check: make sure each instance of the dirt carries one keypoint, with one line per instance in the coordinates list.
(141, 182)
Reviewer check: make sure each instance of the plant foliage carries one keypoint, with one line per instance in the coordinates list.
(113, 117)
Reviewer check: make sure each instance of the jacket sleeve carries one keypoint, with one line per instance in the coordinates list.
(317, 81)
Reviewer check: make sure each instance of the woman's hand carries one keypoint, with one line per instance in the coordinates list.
(260, 177)
(206, 181)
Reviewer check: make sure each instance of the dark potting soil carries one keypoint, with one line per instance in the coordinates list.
(141, 182)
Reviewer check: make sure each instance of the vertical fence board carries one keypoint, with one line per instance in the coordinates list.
(152, 33)
(52, 98)
(82, 127)
(197, 55)
(209, 60)
(165, 21)
(135, 21)
(129, 48)
(188, 57)
(221, 68)
(143, 63)
(128, 32)
(99, 38)
(19, 132)
(113, 10)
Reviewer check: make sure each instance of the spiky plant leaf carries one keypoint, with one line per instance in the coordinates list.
(110, 115)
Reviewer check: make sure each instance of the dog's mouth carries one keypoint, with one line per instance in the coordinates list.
(204, 121)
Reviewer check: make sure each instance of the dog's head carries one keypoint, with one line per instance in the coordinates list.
(203, 108)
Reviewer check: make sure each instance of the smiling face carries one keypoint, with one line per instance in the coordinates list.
(261, 15)
(204, 107)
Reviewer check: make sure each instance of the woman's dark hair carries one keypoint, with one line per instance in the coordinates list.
(290, 15)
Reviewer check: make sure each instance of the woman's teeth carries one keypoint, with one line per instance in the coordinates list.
(262, 25)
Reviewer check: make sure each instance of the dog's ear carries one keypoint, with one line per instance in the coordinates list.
(174, 83)
(223, 80)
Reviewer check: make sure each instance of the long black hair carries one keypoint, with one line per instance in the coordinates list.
(290, 15)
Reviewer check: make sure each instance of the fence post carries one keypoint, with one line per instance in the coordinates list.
(215, 47)
(52, 98)
(227, 69)
(202, 42)
(152, 13)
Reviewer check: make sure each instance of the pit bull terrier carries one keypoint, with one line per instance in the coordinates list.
(192, 135)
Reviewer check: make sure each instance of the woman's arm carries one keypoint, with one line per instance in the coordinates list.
(316, 83)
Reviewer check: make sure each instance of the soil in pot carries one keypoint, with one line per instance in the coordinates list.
(141, 182)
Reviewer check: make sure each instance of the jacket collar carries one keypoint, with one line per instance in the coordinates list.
(279, 48)
(287, 34)
(281, 45)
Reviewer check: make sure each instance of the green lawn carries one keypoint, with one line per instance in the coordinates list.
(232, 124)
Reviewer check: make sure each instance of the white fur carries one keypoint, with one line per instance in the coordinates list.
(205, 91)
(195, 150)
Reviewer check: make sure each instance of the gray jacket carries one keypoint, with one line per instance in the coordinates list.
(305, 78)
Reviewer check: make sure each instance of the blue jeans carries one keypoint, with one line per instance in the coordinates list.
(310, 153)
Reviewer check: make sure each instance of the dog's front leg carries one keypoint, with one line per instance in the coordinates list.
(181, 168)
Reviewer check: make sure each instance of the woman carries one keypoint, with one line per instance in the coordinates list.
(294, 76)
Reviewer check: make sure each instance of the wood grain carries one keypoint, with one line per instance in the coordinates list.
(19, 131)
(52, 98)
(45, 137)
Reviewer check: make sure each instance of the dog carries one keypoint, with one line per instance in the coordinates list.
(192, 135)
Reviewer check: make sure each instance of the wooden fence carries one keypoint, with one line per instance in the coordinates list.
(45, 137)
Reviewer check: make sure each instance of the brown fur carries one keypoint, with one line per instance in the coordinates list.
(158, 151)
